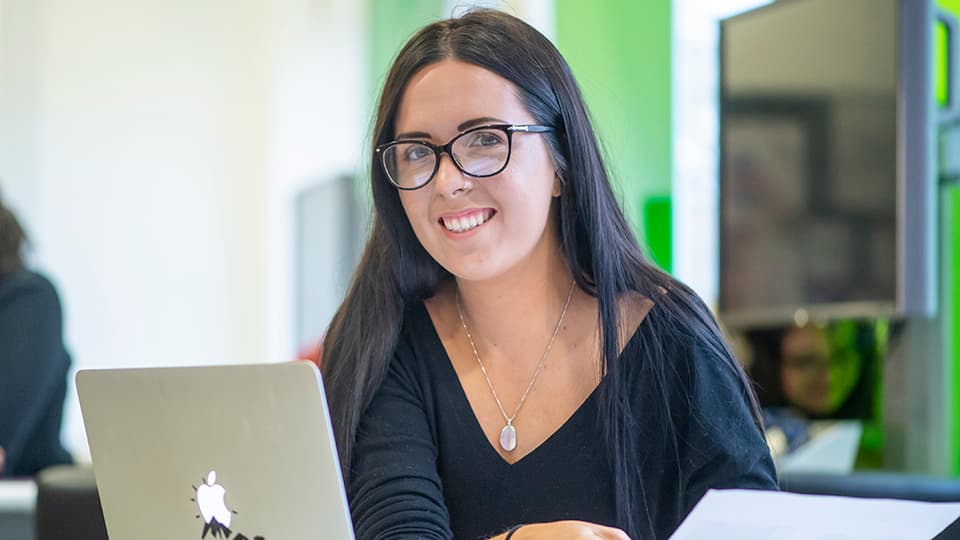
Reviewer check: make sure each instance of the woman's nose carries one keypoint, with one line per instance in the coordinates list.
(450, 180)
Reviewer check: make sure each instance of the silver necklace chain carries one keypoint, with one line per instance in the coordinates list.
(543, 359)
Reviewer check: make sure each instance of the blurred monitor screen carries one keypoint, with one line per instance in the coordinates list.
(809, 160)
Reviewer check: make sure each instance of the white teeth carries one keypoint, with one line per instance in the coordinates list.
(465, 223)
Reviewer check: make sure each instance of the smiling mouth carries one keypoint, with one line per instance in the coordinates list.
(467, 222)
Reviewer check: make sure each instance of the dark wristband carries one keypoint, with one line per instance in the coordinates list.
(512, 530)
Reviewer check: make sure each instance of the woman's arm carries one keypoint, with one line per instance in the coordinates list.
(395, 490)
(721, 447)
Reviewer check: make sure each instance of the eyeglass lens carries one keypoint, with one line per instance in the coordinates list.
(482, 152)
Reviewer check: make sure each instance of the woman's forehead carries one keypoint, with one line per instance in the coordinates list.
(805, 339)
(441, 96)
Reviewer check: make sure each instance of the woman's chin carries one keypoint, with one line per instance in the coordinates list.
(473, 273)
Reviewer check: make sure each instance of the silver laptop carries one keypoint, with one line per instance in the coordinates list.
(230, 452)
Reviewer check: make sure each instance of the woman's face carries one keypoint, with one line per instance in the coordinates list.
(815, 377)
(439, 102)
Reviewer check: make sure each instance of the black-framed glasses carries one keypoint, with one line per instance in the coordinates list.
(479, 152)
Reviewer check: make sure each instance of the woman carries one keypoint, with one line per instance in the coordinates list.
(819, 370)
(33, 361)
(505, 360)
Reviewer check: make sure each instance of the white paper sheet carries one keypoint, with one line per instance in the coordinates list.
(762, 515)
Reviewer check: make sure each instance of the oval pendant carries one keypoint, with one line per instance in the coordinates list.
(508, 438)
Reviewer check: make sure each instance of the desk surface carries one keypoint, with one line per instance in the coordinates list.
(18, 500)
(18, 496)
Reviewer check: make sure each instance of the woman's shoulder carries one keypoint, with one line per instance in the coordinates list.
(425, 317)
(417, 341)
(633, 309)
(23, 282)
(414, 368)
(680, 333)
(434, 320)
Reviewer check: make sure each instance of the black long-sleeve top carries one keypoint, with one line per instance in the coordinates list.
(33, 374)
(423, 468)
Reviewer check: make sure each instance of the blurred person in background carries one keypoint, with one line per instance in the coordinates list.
(821, 371)
(820, 368)
(814, 372)
(33, 361)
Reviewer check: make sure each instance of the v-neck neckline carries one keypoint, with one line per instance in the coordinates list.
(449, 372)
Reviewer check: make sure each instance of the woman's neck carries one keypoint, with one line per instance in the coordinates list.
(511, 313)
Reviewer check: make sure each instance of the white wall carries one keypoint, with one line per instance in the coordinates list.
(318, 123)
(151, 148)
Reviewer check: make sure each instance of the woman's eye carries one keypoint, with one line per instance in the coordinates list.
(416, 153)
(486, 138)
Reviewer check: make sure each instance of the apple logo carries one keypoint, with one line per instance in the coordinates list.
(210, 500)
(216, 515)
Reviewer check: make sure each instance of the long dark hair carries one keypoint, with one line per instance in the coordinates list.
(12, 240)
(598, 245)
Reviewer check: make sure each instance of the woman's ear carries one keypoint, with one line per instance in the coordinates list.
(557, 181)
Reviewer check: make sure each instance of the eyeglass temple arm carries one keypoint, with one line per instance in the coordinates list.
(531, 129)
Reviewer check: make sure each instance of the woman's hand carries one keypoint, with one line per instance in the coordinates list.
(566, 530)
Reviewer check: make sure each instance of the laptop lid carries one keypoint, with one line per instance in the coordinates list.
(237, 452)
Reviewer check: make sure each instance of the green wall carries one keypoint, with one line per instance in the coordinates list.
(951, 308)
(951, 230)
(620, 52)
(392, 23)
(939, 59)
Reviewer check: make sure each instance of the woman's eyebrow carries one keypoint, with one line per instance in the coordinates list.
(413, 135)
(478, 121)
(462, 127)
